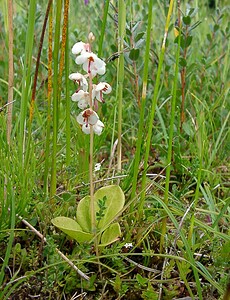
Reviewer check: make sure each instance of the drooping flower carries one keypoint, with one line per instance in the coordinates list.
(89, 117)
(91, 63)
(99, 89)
(82, 98)
(80, 79)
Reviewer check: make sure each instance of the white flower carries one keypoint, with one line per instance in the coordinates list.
(91, 63)
(97, 167)
(97, 128)
(99, 89)
(80, 79)
(128, 245)
(79, 47)
(89, 117)
(82, 98)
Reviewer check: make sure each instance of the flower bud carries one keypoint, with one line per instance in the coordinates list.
(91, 37)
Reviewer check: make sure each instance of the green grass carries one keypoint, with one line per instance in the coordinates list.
(174, 171)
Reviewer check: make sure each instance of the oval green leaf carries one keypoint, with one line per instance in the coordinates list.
(110, 235)
(114, 203)
(72, 229)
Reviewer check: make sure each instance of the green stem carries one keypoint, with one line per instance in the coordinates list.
(92, 208)
(92, 204)
(154, 102)
(11, 71)
(200, 147)
(120, 74)
(26, 79)
(55, 98)
(142, 111)
(68, 132)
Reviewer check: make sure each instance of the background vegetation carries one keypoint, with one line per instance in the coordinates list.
(174, 167)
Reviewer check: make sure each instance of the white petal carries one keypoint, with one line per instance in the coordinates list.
(99, 123)
(75, 97)
(75, 76)
(107, 89)
(85, 66)
(81, 59)
(101, 71)
(98, 96)
(100, 86)
(78, 47)
(80, 119)
(93, 118)
(84, 84)
(86, 128)
(94, 91)
(82, 104)
(93, 72)
(98, 127)
(99, 62)
(80, 95)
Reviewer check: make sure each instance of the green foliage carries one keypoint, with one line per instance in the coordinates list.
(196, 241)
(108, 201)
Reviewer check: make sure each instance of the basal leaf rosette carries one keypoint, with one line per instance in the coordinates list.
(81, 229)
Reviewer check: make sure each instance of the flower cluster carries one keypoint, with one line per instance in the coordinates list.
(87, 97)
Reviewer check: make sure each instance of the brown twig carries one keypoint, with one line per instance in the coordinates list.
(38, 60)
(83, 275)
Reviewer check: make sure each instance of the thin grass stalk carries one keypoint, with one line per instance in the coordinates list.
(189, 253)
(170, 142)
(38, 61)
(49, 94)
(26, 79)
(183, 276)
(11, 71)
(106, 9)
(55, 97)
(68, 112)
(11, 237)
(142, 108)
(200, 146)
(154, 103)
(218, 140)
(120, 74)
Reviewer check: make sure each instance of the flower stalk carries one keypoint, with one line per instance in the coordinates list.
(87, 96)
(92, 208)
(120, 75)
